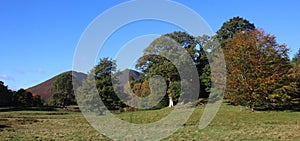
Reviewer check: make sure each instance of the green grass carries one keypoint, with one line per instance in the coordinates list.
(231, 123)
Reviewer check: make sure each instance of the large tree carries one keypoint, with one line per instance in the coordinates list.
(259, 71)
(152, 63)
(99, 86)
(210, 50)
(63, 87)
(105, 75)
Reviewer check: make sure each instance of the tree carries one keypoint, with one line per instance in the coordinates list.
(105, 75)
(99, 87)
(63, 87)
(18, 98)
(234, 25)
(210, 46)
(258, 71)
(186, 41)
(152, 64)
(207, 44)
(296, 66)
(155, 63)
(26, 99)
(296, 58)
(88, 96)
(5, 95)
(56, 99)
(36, 100)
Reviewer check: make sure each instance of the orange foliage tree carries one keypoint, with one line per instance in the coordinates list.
(259, 73)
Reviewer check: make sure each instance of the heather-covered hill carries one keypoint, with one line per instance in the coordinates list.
(44, 89)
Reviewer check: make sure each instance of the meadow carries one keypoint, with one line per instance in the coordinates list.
(230, 123)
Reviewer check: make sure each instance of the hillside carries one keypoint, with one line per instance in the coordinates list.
(133, 75)
(44, 89)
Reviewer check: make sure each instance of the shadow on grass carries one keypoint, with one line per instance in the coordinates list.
(7, 109)
(292, 108)
(3, 126)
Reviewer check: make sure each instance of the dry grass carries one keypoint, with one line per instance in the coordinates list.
(231, 123)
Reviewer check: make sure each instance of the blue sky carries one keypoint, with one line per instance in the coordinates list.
(38, 38)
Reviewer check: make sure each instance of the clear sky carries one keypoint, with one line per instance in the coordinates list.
(38, 38)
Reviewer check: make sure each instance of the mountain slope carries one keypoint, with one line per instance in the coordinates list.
(44, 89)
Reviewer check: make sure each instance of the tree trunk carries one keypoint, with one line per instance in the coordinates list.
(170, 102)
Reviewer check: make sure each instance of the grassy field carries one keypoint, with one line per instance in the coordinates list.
(231, 123)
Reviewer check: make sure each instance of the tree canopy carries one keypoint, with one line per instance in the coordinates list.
(234, 25)
(63, 86)
(259, 71)
(103, 75)
(18, 98)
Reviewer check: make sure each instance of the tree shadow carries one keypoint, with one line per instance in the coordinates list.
(8, 109)
(292, 108)
(3, 126)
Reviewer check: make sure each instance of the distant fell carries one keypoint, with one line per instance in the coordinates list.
(44, 89)
(133, 75)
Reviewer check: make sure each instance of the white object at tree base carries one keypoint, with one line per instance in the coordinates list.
(170, 102)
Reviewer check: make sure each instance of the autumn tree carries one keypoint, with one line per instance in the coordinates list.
(296, 65)
(26, 99)
(259, 72)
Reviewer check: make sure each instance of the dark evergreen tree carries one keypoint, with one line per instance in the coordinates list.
(234, 25)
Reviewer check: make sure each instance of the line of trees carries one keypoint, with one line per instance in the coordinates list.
(258, 69)
(259, 72)
(18, 98)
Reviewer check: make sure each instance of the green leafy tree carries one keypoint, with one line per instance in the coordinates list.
(259, 71)
(63, 87)
(207, 44)
(89, 97)
(105, 76)
(152, 63)
(186, 41)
